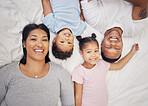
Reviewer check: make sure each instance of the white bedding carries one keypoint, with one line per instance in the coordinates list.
(126, 87)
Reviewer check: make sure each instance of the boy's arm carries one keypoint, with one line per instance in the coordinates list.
(46, 7)
(78, 94)
(81, 14)
(121, 63)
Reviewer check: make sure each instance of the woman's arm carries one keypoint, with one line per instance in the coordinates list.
(3, 87)
(66, 88)
(46, 7)
(78, 94)
(121, 63)
(2, 91)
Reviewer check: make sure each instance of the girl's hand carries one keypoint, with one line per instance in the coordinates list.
(135, 48)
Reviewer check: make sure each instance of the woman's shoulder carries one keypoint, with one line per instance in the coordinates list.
(10, 66)
(59, 72)
(55, 65)
(58, 68)
(9, 70)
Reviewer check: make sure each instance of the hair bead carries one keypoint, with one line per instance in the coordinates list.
(93, 35)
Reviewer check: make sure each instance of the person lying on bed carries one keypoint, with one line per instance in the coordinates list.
(104, 15)
(89, 77)
(63, 18)
(34, 80)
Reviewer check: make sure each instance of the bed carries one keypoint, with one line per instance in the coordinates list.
(126, 87)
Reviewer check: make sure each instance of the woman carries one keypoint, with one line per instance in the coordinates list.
(35, 81)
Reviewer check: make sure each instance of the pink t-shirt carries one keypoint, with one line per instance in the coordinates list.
(94, 87)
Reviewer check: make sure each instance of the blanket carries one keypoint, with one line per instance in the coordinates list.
(126, 87)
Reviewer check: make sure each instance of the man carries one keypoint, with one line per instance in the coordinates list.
(105, 15)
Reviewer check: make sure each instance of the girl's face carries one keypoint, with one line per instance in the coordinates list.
(90, 53)
(37, 45)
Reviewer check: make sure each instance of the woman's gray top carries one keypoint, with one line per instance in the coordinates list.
(16, 89)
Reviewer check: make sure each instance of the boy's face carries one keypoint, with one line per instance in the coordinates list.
(64, 40)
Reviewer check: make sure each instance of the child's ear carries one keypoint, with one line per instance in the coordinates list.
(81, 53)
(54, 40)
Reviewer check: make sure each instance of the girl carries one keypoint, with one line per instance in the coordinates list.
(89, 77)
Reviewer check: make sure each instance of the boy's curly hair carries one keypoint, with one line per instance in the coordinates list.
(60, 54)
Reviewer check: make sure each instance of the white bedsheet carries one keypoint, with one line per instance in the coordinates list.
(126, 87)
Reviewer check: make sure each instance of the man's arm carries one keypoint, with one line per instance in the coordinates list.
(137, 2)
(121, 63)
(139, 9)
(46, 7)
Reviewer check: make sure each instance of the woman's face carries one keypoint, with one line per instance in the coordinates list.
(37, 45)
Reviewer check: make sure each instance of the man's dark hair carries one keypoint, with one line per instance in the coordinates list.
(60, 54)
(27, 29)
(108, 59)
